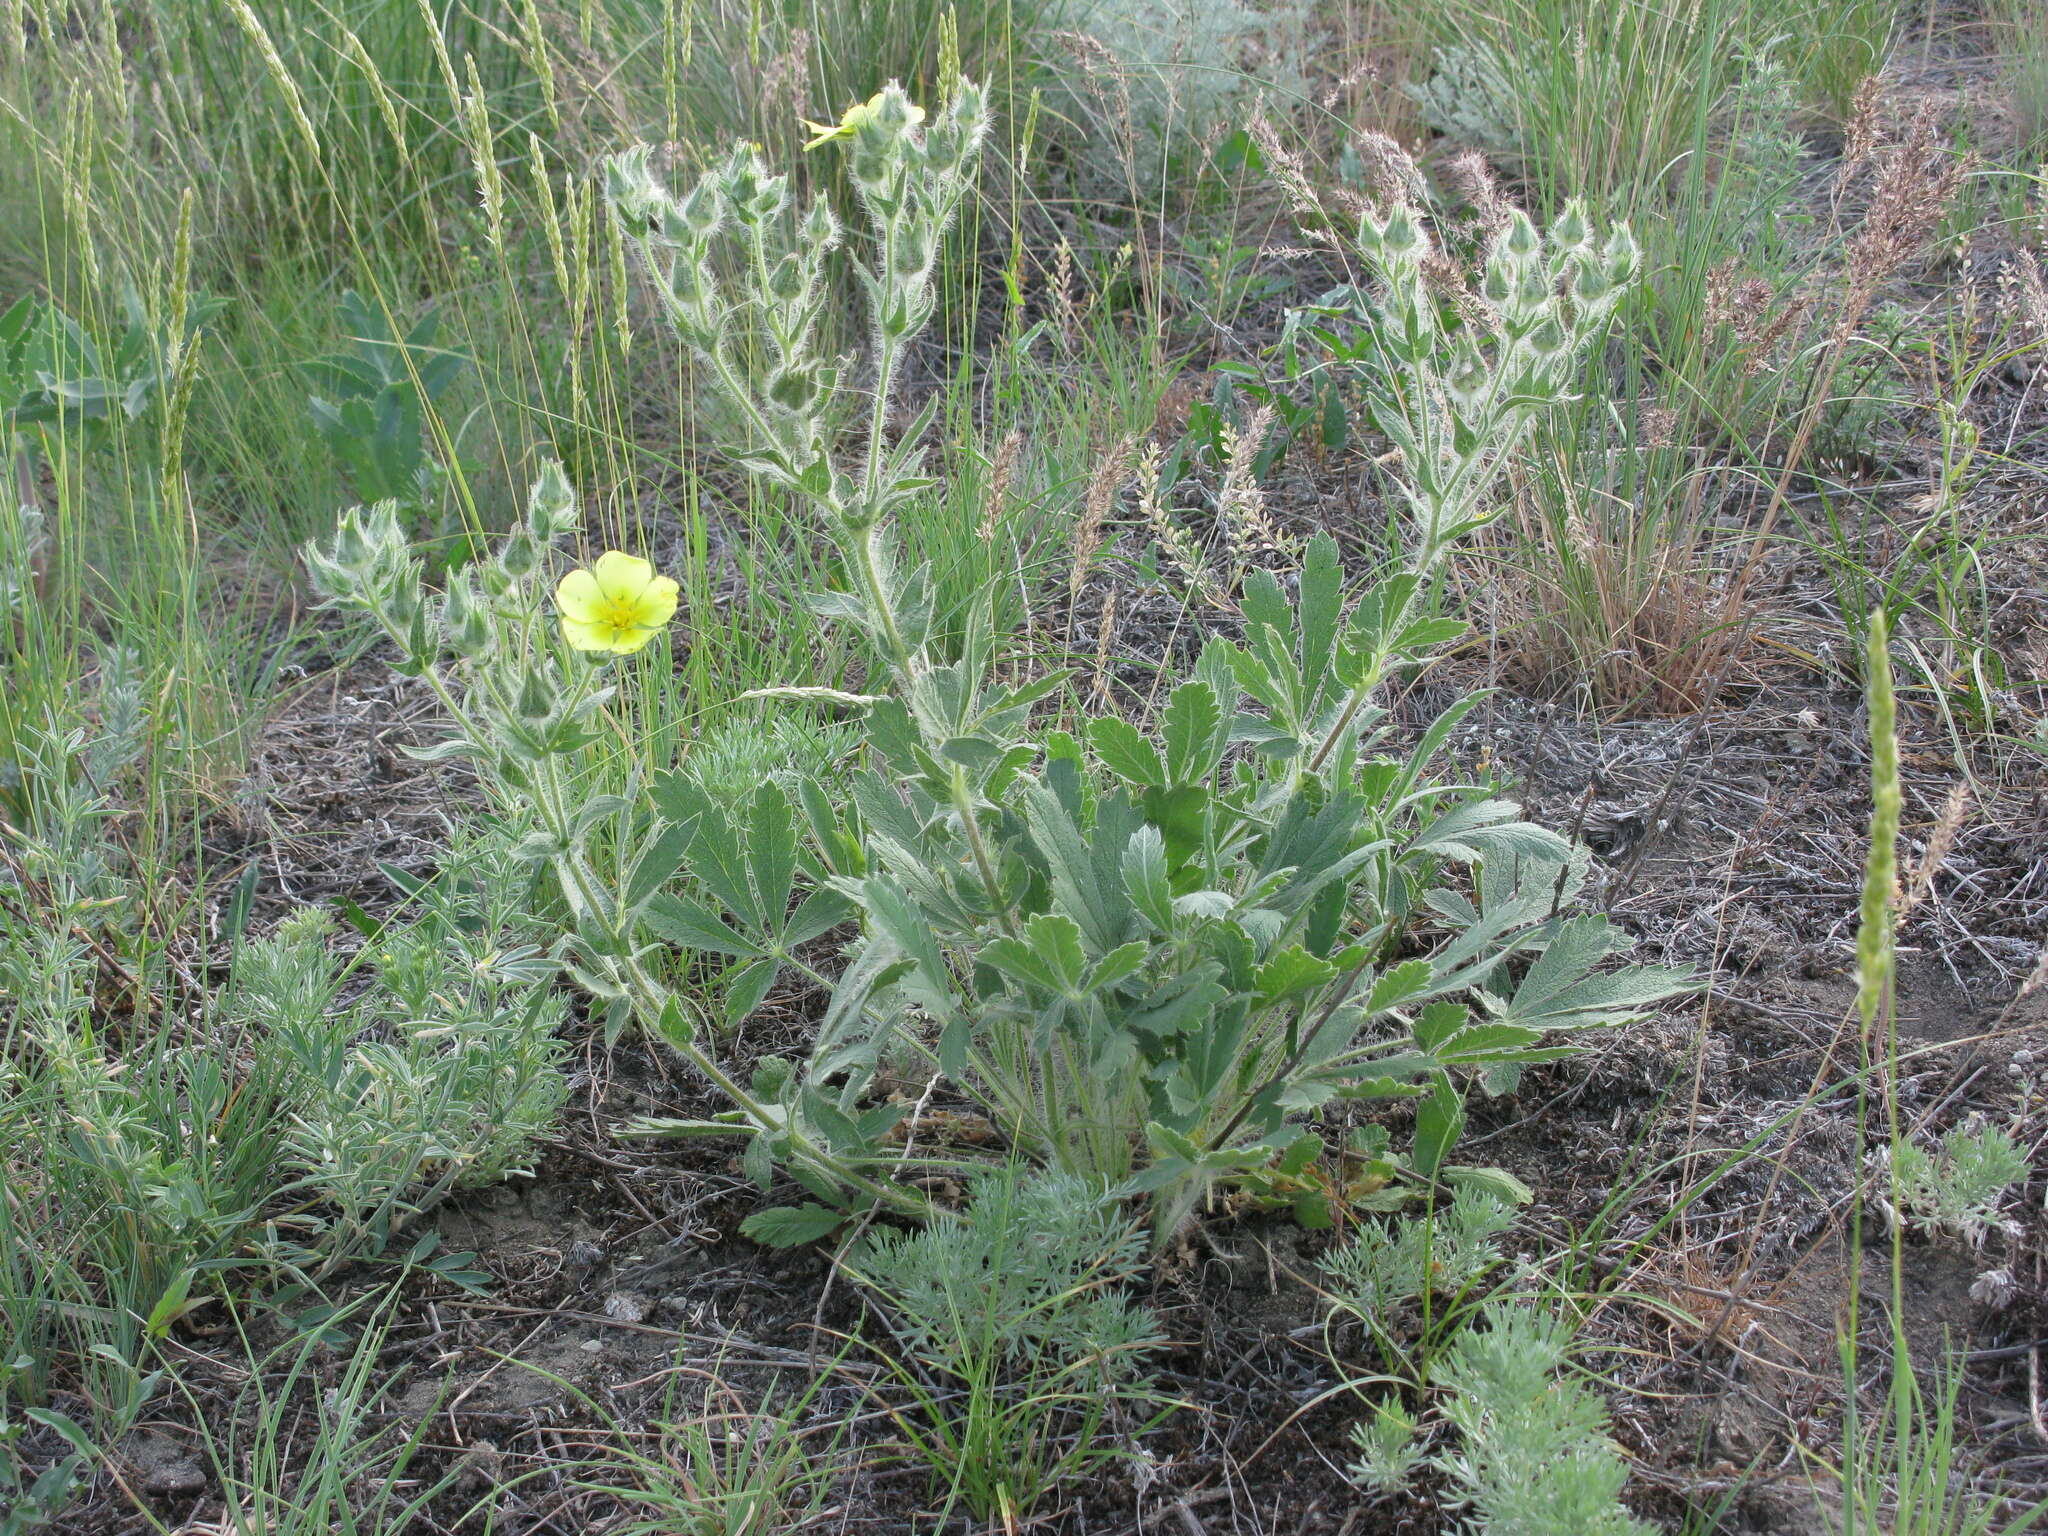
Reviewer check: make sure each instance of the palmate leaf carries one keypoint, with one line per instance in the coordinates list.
(1562, 991)
(1048, 955)
(1087, 888)
(1477, 828)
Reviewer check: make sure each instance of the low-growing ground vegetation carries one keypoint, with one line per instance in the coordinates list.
(1082, 765)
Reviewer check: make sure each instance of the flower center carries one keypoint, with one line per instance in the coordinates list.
(621, 613)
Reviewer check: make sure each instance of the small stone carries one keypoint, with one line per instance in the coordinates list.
(625, 1307)
(592, 1346)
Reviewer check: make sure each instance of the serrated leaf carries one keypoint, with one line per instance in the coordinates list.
(771, 855)
(746, 987)
(1495, 1181)
(977, 754)
(898, 919)
(1397, 984)
(1265, 604)
(1438, 1022)
(440, 751)
(658, 862)
(1117, 966)
(1181, 812)
(1489, 1043)
(689, 924)
(1194, 731)
(1124, 751)
(1290, 973)
(1478, 828)
(1048, 954)
(821, 912)
(1145, 878)
(1071, 868)
(170, 1306)
(757, 1162)
(1320, 604)
(1439, 1121)
(791, 1226)
(1561, 991)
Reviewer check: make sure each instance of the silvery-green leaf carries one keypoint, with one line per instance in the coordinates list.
(1145, 877)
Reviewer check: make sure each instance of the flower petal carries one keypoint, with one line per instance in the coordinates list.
(586, 635)
(626, 641)
(621, 577)
(577, 596)
(658, 602)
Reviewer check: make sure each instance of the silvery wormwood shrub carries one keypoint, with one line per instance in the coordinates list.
(1151, 956)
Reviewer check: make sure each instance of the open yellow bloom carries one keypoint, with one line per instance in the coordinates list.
(849, 125)
(617, 605)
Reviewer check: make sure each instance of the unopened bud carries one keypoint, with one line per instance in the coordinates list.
(1400, 234)
(740, 179)
(351, 549)
(1520, 237)
(1571, 231)
(536, 696)
(519, 555)
(770, 198)
(550, 505)
(970, 109)
(632, 190)
(891, 111)
(1590, 285)
(786, 278)
(703, 210)
(1623, 255)
(463, 619)
(820, 230)
(793, 388)
(1468, 377)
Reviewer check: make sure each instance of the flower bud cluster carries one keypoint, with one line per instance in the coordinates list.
(1459, 369)
(515, 701)
(369, 564)
(758, 325)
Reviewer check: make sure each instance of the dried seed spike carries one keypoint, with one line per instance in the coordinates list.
(1111, 471)
(1105, 627)
(996, 498)
(1939, 841)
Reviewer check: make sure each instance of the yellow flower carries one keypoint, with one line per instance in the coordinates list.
(615, 606)
(856, 115)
